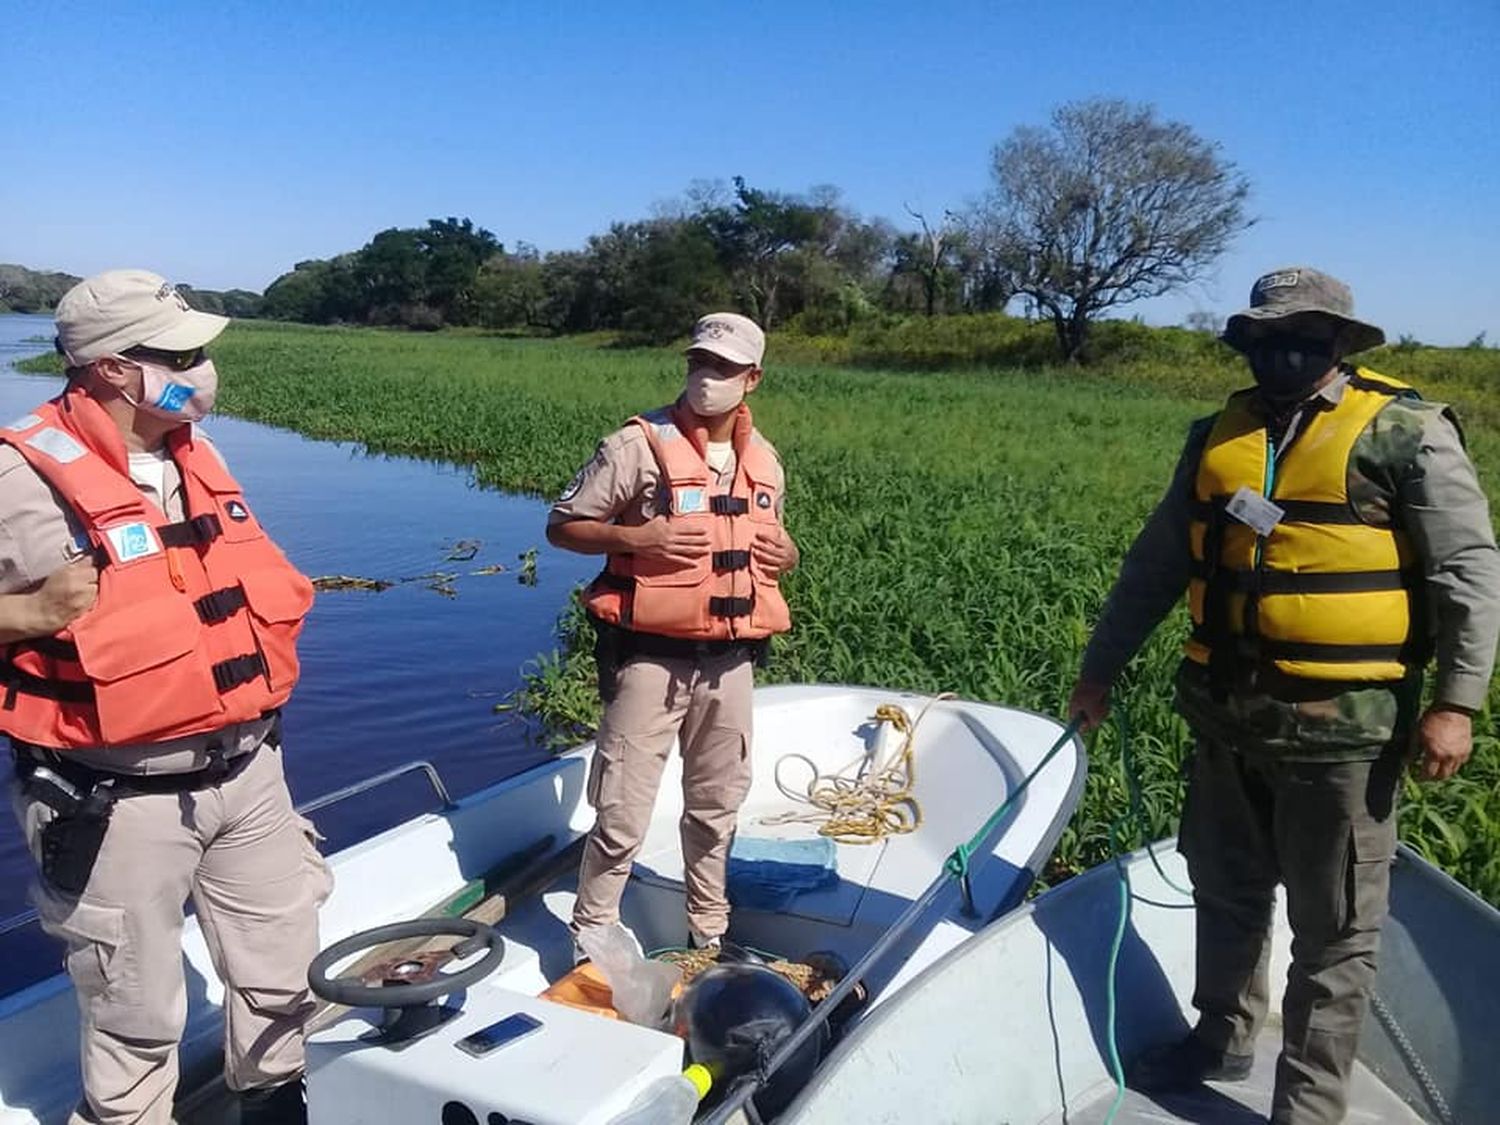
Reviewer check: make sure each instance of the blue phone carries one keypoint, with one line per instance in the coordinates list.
(498, 1034)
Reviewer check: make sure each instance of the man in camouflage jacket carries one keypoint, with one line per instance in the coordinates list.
(1301, 737)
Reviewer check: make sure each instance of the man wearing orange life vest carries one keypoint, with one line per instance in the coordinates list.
(1332, 538)
(686, 502)
(150, 630)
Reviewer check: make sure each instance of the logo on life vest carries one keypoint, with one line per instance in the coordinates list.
(132, 541)
(237, 511)
(762, 499)
(685, 501)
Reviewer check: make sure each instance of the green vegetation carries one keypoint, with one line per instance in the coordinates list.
(33, 291)
(1105, 206)
(958, 531)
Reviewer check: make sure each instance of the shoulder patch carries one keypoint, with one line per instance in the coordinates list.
(24, 422)
(572, 487)
(56, 445)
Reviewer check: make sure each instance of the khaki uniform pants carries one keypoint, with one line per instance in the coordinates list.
(1328, 832)
(249, 862)
(707, 702)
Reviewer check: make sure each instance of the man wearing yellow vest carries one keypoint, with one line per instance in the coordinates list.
(1331, 536)
(149, 627)
(686, 502)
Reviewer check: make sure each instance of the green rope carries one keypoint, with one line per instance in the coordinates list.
(1135, 813)
(957, 863)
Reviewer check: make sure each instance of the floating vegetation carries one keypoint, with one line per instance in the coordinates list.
(443, 582)
(350, 582)
(527, 577)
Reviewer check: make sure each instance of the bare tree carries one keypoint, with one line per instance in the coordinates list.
(1109, 205)
(1201, 320)
(932, 257)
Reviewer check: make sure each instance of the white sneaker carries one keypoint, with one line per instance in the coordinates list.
(699, 941)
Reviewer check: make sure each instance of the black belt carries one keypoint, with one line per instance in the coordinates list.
(653, 644)
(625, 643)
(86, 778)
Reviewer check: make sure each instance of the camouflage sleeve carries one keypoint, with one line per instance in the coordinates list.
(1437, 499)
(1153, 575)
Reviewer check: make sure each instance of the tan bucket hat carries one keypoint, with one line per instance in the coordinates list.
(737, 338)
(1286, 298)
(119, 309)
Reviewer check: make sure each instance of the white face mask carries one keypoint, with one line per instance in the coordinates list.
(176, 396)
(710, 394)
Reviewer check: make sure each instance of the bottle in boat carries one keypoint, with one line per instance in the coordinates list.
(670, 1100)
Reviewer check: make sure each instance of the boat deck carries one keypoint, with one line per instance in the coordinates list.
(1239, 1103)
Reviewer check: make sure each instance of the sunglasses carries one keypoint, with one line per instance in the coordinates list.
(176, 361)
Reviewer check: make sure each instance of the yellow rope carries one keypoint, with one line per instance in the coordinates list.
(865, 806)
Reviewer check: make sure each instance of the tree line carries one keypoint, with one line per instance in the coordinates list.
(25, 290)
(1103, 205)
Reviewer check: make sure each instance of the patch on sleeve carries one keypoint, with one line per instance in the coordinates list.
(582, 475)
(573, 486)
(56, 445)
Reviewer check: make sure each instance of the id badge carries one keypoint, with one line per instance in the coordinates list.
(1254, 510)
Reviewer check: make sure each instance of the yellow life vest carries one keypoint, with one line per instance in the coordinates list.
(1323, 595)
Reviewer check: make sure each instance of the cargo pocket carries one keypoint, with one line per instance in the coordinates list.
(1372, 847)
(278, 600)
(319, 874)
(144, 662)
(101, 963)
(605, 772)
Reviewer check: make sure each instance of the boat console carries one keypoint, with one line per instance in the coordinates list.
(492, 1055)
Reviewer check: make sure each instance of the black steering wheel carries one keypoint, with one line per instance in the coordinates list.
(407, 981)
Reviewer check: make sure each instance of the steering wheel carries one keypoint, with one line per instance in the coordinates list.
(406, 981)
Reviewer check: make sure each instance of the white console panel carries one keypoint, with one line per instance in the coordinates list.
(579, 1069)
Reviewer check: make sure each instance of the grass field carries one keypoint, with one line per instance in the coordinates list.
(959, 530)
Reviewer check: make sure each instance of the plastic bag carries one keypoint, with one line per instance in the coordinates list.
(642, 989)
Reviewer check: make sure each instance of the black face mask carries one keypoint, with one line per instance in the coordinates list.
(1286, 367)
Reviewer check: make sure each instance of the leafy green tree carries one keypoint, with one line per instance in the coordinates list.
(1107, 205)
(453, 251)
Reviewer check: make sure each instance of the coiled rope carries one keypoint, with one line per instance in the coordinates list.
(865, 800)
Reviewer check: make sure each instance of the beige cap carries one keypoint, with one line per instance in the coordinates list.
(737, 338)
(119, 309)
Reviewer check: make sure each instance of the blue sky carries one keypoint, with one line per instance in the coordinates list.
(220, 143)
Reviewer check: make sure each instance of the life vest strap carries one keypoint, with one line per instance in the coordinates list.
(191, 533)
(63, 691)
(1307, 582)
(220, 605)
(731, 560)
(1407, 653)
(724, 504)
(51, 647)
(1293, 511)
(230, 674)
(730, 607)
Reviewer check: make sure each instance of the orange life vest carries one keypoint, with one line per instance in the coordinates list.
(726, 594)
(196, 622)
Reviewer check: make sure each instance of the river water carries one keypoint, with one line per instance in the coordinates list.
(405, 673)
